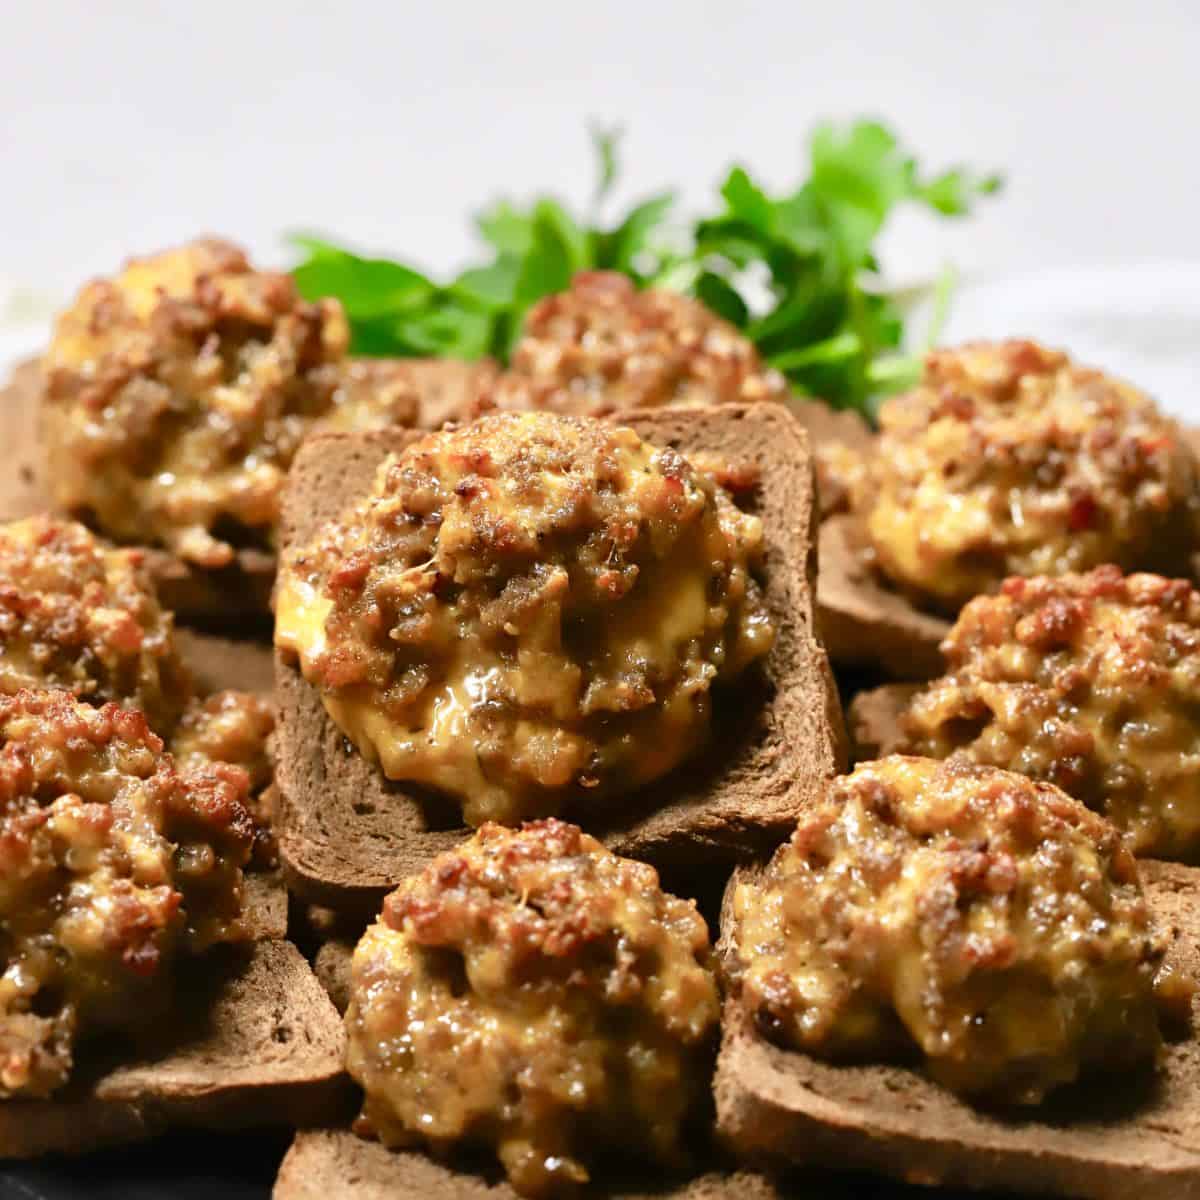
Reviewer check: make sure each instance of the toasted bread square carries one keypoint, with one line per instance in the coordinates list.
(347, 835)
(1110, 1139)
(254, 1042)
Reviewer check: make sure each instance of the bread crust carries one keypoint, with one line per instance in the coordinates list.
(347, 835)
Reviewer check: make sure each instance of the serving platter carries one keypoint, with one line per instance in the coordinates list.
(1141, 322)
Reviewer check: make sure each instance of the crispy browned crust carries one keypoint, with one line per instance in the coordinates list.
(864, 622)
(334, 1162)
(232, 596)
(257, 1043)
(873, 720)
(1110, 1139)
(347, 835)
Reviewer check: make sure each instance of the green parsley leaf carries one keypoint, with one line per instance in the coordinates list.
(797, 272)
(367, 287)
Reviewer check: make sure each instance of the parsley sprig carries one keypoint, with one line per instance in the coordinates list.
(796, 272)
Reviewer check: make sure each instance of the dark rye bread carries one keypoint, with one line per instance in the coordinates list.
(863, 621)
(874, 720)
(446, 388)
(217, 663)
(347, 835)
(1116, 1139)
(825, 424)
(265, 904)
(232, 596)
(253, 1043)
(334, 1162)
(331, 966)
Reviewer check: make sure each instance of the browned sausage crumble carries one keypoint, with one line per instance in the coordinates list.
(177, 393)
(989, 923)
(602, 347)
(842, 474)
(1009, 459)
(112, 863)
(373, 394)
(1091, 682)
(79, 615)
(233, 728)
(528, 611)
(533, 993)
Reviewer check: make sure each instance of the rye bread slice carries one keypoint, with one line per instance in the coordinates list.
(334, 1162)
(253, 1043)
(218, 663)
(237, 595)
(347, 835)
(331, 966)
(446, 388)
(825, 424)
(265, 903)
(874, 720)
(1112, 1139)
(863, 621)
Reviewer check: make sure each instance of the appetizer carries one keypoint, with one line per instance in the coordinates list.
(116, 862)
(1090, 682)
(987, 922)
(78, 614)
(635, 669)
(1007, 459)
(176, 394)
(532, 993)
(602, 347)
(529, 610)
(957, 975)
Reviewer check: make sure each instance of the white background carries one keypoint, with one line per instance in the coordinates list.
(126, 126)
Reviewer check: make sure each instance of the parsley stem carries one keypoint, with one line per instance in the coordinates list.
(943, 293)
(841, 346)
